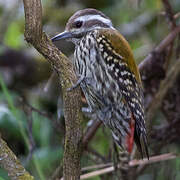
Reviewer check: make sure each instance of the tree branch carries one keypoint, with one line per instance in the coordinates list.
(148, 61)
(72, 103)
(133, 163)
(11, 164)
(165, 85)
(90, 132)
(172, 23)
(169, 14)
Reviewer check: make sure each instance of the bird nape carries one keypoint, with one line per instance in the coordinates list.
(109, 77)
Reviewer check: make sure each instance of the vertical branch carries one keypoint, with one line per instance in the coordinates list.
(169, 14)
(72, 103)
(172, 23)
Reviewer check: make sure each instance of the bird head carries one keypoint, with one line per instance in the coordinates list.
(82, 22)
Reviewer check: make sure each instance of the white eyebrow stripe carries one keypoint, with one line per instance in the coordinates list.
(94, 17)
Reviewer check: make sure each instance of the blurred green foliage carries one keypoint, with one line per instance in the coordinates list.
(13, 37)
(14, 121)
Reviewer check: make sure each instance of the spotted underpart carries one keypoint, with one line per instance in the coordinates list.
(120, 71)
(128, 85)
(110, 88)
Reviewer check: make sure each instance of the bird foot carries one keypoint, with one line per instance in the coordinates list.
(86, 110)
(76, 84)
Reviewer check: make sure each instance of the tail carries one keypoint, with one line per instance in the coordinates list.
(124, 136)
(126, 139)
(140, 139)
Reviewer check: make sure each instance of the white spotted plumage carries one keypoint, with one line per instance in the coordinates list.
(100, 72)
(111, 83)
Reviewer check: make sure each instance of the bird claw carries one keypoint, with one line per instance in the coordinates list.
(74, 86)
(86, 110)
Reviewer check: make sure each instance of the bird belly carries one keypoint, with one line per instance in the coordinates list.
(102, 93)
(99, 89)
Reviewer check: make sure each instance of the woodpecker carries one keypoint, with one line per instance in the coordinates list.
(108, 76)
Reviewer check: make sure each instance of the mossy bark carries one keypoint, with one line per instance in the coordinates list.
(72, 99)
(11, 164)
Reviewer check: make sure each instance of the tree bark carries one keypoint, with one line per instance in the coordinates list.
(11, 164)
(72, 99)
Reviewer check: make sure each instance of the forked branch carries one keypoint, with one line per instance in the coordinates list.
(72, 104)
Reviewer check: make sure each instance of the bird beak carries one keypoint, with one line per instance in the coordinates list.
(63, 35)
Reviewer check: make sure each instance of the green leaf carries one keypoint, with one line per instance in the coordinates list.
(13, 37)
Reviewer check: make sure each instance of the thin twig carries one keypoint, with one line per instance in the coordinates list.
(56, 125)
(30, 134)
(57, 173)
(27, 108)
(91, 132)
(163, 44)
(177, 15)
(172, 23)
(169, 14)
(42, 113)
(97, 155)
(98, 166)
(132, 163)
(165, 85)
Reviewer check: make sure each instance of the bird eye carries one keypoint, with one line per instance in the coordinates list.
(78, 24)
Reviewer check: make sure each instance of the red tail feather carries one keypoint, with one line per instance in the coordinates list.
(130, 137)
